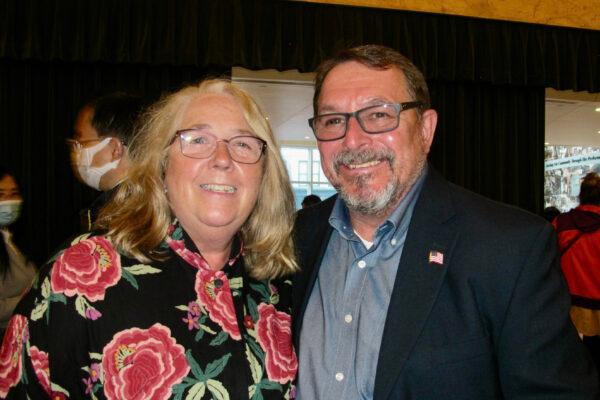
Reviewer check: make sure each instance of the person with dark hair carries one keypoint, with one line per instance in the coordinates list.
(579, 242)
(550, 213)
(412, 287)
(310, 200)
(16, 272)
(103, 129)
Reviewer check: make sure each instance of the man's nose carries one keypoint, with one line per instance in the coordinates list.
(355, 134)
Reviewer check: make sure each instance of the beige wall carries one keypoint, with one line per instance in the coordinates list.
(570, 13)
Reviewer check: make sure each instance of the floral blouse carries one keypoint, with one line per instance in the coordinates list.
(97, 325)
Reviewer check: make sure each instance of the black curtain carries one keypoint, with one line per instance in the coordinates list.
(487, 80)
(490, 139)
(290, 34)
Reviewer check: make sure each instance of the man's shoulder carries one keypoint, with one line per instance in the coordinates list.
(474, 210)
(483, 213)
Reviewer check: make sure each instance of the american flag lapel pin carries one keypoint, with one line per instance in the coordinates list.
(436, 257)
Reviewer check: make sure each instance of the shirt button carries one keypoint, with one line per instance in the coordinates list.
(339, 377)
(348, 318)
(362, 264)
(393, 242)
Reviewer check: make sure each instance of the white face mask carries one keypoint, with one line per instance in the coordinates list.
(91, 175)
(9, 211)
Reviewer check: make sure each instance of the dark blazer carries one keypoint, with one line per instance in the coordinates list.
(491, 322)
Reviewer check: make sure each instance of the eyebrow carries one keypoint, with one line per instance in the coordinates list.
(239, 132)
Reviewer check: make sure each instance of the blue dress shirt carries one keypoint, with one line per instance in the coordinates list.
(346, 312)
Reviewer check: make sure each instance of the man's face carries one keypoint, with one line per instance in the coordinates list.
(373, 172)
(87, 138)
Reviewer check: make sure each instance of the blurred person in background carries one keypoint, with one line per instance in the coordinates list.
(579, 240)
(310, 200)
(16, 272)
(99, 156)
(550, 213)
(182, 291)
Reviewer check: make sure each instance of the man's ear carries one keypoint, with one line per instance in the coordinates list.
(428, 124)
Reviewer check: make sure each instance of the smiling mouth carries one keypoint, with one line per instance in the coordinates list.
(363, 165)
(218, 188)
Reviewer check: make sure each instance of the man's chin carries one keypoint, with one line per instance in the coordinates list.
(369, 200)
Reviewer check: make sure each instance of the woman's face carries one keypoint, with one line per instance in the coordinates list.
(215, 194)
(9, 189)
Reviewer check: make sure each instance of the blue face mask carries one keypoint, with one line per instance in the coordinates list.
(9, 211)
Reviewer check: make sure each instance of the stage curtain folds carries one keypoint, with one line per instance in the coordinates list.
(285, 35)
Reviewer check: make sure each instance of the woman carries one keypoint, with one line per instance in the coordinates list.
(16, 273)
(185, 295)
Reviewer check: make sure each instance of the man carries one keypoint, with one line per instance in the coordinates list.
(414, 288)
(103, 129)
(579, 243)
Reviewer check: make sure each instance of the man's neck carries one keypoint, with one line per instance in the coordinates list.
(366, 225)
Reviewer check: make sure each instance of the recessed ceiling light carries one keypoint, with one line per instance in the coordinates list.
(546, 144)
(597, 109)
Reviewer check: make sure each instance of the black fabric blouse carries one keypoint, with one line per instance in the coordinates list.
(98, 324)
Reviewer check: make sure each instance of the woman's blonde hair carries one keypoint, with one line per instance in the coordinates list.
(138, 216)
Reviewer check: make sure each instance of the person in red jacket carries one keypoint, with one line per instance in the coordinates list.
(579, 240)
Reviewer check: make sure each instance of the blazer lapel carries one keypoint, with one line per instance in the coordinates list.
(418, 280)
(311, 241)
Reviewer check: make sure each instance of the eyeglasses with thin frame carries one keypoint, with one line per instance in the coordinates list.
(244, 149)
(79, 144)
(375, 119)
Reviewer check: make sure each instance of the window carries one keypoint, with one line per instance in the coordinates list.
(307, 177)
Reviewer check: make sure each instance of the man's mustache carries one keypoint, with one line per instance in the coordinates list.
(348, 157)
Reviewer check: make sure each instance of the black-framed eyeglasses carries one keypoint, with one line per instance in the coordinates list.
(244, 149)
(373, 119)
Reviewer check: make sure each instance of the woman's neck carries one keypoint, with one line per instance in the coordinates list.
(213, 244)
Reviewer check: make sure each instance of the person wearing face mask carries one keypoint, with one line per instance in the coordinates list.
(99, 156)
(16, 273)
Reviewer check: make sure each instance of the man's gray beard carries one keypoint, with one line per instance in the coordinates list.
(374, 202)
(370, 203)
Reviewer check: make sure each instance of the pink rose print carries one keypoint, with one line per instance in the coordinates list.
(214, 294)
(39, 359)
(11, 353)
(143, 364)
(87, 268)
(274, 333)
